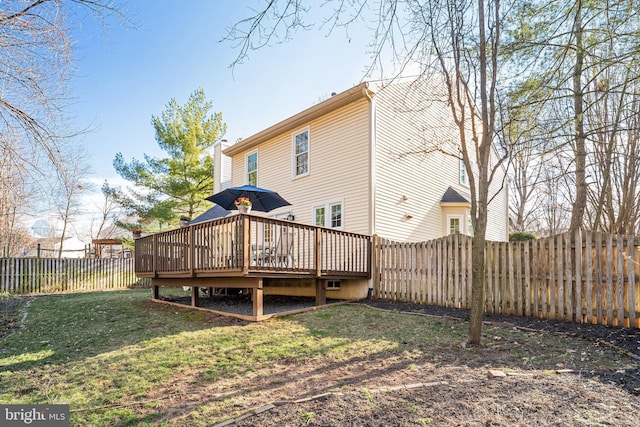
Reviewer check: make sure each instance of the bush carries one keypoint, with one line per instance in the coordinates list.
(521, 236)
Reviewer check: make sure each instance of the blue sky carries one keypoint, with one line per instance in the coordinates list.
(124, 76)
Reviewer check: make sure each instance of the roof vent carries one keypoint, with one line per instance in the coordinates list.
(333, 94)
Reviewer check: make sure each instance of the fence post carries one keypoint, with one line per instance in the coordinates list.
(375, 265)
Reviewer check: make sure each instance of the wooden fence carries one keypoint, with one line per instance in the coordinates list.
(586, 277)
(52, 275)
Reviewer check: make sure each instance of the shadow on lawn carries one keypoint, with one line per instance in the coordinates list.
(72, 327)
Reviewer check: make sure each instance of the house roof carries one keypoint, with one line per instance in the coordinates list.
(454, 196)
(337, 101)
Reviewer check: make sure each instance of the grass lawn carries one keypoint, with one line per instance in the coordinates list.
(119, 360)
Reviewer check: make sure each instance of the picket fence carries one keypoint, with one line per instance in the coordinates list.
(52, 275)
(585, 277)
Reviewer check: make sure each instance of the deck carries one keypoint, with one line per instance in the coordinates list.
(241, 251)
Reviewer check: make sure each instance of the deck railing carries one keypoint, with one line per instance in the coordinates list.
(244, 244)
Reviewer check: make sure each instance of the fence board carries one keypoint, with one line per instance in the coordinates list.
(631, 284)
(578, 277)
(620, 281)
(609, 273)
(551, 278)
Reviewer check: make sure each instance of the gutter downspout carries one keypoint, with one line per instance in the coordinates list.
(372, 181)
(372, 160)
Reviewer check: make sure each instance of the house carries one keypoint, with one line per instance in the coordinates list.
(377, 159)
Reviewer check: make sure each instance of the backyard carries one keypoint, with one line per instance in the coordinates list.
(119, 359)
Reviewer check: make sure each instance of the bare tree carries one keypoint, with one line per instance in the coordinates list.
(66, 188)
(35, 66)
(109, 210)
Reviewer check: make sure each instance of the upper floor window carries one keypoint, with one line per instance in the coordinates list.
(301, 153)
(252, 168)
(464, 179)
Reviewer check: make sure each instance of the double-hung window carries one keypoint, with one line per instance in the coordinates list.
(252, 169)
(301, 153)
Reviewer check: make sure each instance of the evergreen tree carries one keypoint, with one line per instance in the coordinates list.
(166, 188)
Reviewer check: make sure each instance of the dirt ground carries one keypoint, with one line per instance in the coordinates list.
(446, 394)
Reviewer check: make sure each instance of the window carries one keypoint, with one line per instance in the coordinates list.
(333, 220)
(333, 285)
(469, 225)
(301, 153)
(336, 216)
(455, 223)
(319, 215)
(464, 179)
(252, 168)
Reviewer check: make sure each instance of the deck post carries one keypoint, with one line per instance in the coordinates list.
(256, 296)
(246, 239)
(318, 255)
(195, 296)
(321, 292)
(156, 292)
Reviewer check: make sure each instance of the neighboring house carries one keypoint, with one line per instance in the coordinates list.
(375, 159)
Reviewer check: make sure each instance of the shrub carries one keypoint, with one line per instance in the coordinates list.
(521, 236)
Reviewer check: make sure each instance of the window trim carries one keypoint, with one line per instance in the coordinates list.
(246, 167)
(294, 155)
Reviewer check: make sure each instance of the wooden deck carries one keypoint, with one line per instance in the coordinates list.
(240, 251)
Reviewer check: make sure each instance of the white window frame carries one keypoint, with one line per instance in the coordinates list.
(460, 219)
(294, 154)
(327, 213)
(246, 167)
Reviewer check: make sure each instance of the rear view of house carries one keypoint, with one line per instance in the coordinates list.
(376, 159)
(373, 160)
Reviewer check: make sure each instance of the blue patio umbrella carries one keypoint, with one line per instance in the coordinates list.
(261, 199)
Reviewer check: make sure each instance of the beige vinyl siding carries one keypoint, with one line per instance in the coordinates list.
(497, 211)
(338, 167)
(407, 122)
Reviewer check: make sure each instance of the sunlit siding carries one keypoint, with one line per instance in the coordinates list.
(413, 131)
(338, 167)
(497, 211)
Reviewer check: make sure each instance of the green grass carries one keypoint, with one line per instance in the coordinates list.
(98, 350)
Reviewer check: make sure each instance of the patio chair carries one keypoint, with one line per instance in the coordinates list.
(282, 252)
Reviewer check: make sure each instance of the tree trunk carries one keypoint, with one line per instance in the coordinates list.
(580, 202)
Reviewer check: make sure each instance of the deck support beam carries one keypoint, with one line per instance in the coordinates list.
(156, 292)
(257, 297)
(195, 296)
(321, 292)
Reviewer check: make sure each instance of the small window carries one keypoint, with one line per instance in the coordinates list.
(252, 169)
(333, 285)
(464, 179)
(301, 153)
(455, 222)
